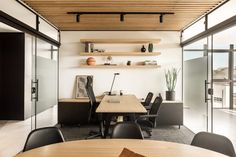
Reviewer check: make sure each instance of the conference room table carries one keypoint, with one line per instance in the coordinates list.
(114, 147)
(118, 105)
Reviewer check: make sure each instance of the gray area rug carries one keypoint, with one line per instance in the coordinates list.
(161, 133)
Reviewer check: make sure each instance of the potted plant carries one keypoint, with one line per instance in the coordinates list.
(171, 79)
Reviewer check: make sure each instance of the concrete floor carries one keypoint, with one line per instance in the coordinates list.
(13, 134)
(224, 122)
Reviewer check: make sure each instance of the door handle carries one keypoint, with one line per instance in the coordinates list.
(206, 91)
(34, 89)
(37, 90)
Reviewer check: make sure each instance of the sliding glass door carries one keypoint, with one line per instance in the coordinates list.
(224, 61)
(44, 84)
(209, 84)
(197, 85)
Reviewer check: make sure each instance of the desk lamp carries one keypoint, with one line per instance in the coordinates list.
(115, 74)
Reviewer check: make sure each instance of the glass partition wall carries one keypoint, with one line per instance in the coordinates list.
(44, 82)
(195, 84)
(224, 115)
(209, 84)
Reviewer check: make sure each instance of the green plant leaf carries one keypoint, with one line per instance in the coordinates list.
(171, 78)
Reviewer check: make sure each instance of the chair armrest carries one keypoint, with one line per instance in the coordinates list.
(147, 107)
(147, 116)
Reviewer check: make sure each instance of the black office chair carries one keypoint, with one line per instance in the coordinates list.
(93, 117)
(43, 136)
(127, 130)
(218, 143)
(148, 99)
(148, 121)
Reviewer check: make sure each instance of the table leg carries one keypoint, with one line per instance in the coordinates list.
(107, 118)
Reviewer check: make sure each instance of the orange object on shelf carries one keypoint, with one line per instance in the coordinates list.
(91, 61)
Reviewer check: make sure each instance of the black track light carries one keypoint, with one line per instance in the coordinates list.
(78, 18)
(122, 17)
(161, 18)
(122, 14)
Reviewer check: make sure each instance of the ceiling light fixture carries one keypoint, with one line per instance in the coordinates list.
(122, 14)
(122, 17)
(161, 18)
(78, 18)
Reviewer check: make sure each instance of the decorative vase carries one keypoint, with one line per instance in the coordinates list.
(143, 49)
(170, 95)
(150, 47)
(129, 63)
(108, 60)
(91, 61)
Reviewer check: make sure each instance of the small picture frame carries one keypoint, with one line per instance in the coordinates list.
(81, 81)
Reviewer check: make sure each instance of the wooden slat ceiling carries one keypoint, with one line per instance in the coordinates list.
(185, 12)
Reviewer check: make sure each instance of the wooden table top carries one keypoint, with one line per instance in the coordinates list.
(120, 104)
(85, 99)
(113, 147)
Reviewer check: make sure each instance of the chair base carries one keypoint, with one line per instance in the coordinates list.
(94, 134)
(148, 131)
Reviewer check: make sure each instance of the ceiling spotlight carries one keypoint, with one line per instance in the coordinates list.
(78, 18)
(122, 17)
(161, 18)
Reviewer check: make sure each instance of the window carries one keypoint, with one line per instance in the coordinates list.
(222, 13)
(194, 29)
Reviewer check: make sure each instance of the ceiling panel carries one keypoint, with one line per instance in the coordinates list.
(185, 11)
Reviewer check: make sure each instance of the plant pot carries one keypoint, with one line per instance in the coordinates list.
(170, 95)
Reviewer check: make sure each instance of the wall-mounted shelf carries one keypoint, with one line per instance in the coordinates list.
(120, 66)
(120, 41)
(120, 53)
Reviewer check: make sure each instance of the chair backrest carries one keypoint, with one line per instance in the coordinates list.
(127, 130)
(89, 90)
(43, 136)
(214, 142)
(155, 107)
(92, 98)
(148, 99)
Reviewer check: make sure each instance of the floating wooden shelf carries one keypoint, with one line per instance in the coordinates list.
(120, 54)
(120, 41)
(119, 66)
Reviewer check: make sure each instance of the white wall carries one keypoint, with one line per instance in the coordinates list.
(135, 81)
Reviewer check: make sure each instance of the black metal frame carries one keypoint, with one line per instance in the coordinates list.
(83, 12)
(205, 16)
(15, 23)
(215, 29)
(34, 12)
(122, 14)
